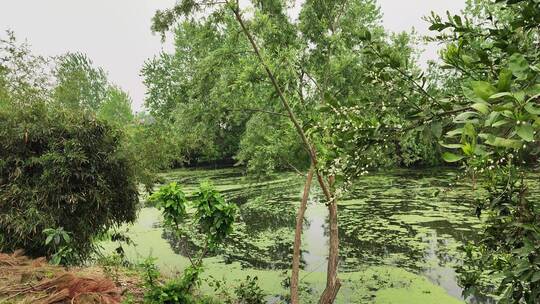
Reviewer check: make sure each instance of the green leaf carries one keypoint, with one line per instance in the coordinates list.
(481, 107)
(451, 146)
(56, 259)
(526, 132)
(533, 91)
(519, 66)
(468, 149)
(469, 130)
(436, 129)
(492, 117)
(451, 157)
(483, 89)
(532, 109)
(535, 277)
(505, 80)
(454, 132)
(49, 239)
(520, 96)
(364, 34)
(504, 142)
(470, 95)
(457, 20)
(499, 123)
(480, 151)
(501, 95)
(464, 117)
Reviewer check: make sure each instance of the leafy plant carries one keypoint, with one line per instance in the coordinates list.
(215, 216)
(60, 242)
(61, 168)
(493, 134)
(249, 292)
(171, 200)
(113, 265)
(246, 292)
(178, 290)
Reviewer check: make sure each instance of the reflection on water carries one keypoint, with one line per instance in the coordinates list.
(414, 220)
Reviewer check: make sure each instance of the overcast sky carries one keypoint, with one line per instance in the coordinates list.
(116, 33)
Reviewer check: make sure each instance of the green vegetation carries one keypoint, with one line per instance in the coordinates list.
(496, 134)
(328, 99)
(214, 218)
(61, 169)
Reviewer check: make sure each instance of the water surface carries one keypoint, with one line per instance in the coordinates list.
(399, 233)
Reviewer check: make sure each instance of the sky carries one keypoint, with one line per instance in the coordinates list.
(116, 34)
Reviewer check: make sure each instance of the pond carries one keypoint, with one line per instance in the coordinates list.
(399, 235)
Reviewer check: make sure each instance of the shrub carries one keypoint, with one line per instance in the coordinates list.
(61, 169)
(249, 292)
(214, 217)
(179, 290)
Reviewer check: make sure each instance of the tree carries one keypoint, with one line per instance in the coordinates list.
(191, 88)
(316, 74)
(79, 83)
(116, 107)
(61, 169)
(24, 77)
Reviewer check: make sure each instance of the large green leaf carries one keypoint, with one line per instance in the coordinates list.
(532, 109)
(504, 142)
(481, 107)
(469, 93)
(455, 132)
(451, 157)
(465, 117)
(526, 132)
(483, 89)
(501, 95)
(451, 146)
(519, 66)
(505, 80)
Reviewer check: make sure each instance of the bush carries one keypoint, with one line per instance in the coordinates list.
(179, 290)
(61, 169)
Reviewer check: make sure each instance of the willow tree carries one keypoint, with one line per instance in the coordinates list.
(316, 73)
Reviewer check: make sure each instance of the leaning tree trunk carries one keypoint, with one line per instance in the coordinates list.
(332, 281)
(295, 298)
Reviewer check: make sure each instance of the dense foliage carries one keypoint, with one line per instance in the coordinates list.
(61, 169)
(492, 51)
(79, 83)
(215, 90)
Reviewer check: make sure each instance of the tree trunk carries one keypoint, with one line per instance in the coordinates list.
(295, 298)
(332, 281)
